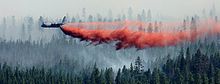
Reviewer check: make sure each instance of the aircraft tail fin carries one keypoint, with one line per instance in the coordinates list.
(64, 19)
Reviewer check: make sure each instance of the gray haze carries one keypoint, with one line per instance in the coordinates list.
(25, 43)
(57, 8)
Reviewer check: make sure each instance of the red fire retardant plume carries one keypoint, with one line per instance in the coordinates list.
(126, 37)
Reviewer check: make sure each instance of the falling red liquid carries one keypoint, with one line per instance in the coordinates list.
(126, 37)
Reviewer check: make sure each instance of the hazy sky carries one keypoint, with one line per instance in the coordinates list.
(53, 8)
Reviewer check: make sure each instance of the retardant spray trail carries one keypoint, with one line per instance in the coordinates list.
(126, 37)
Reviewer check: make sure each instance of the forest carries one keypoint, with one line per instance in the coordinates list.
(30, 54)
(202, 66)
(199, 69)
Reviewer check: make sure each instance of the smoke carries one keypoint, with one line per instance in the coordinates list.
(125, 34)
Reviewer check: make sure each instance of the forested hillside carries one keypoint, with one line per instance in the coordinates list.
(168, 49)
(188, 68)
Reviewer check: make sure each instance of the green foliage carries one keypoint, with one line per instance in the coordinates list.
(187, 68)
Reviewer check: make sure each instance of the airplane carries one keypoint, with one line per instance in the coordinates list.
(66, 31)
(58, 25)
(54, 25)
